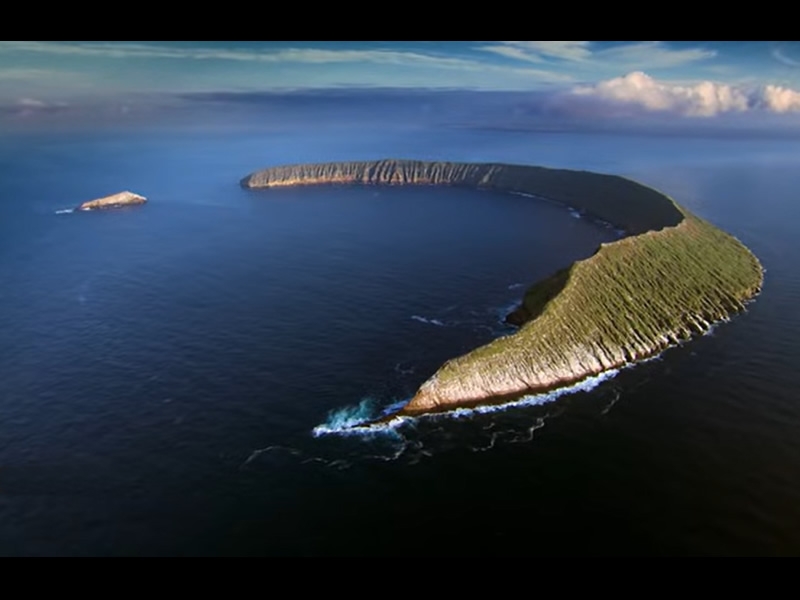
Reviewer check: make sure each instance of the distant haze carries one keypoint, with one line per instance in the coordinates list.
(742, 87)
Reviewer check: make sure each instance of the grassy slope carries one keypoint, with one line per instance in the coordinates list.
(631, 299)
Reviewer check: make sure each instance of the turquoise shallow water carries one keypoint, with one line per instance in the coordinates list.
(163, 368)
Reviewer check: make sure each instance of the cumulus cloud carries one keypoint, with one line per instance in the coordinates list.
(641, 93)
(780, 99)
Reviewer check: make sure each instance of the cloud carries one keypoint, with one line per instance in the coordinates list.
(392, 106)
(14, 73)
(780, 56)
(640, 93)
(310, 56)
(510, 51)
(125, 50)
(18, 82)
(31, 107)
(31, 103)
(779, 99)
(539, 51)
(651, 55)
(21, 74)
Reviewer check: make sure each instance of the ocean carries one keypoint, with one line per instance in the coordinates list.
(178, 378)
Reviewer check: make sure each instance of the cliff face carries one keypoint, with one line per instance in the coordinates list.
(114, 201)
(673, 277)
(625, 203)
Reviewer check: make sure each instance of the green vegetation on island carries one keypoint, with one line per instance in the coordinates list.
(672, 277)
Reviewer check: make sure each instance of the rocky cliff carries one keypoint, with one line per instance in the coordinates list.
(114, 201)
(614, 199)
(674, 276)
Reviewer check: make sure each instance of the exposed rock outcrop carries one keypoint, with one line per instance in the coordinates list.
(114, 201)
(673, 277)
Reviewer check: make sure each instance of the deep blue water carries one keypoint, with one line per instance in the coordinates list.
(163, 368)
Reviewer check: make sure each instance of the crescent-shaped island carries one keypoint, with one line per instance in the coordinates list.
(672, 276)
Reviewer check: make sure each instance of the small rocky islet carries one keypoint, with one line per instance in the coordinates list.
(118, 200)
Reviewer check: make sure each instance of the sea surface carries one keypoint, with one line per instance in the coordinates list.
(179, 378)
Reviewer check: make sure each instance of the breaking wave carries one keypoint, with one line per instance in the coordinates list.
(584, 385)
(356, 420)
(405, 434)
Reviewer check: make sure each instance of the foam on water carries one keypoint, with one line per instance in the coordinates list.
(65, 211)
(356, 420)
(584, 385)
(511, 436)
(277, 453)
(502, 312)
(429, 321)
(255, 454)
(353, 420)
(540, 198)
(398, 368)
(611, 404)
(486, 319)
(347, 417)
(403, 432)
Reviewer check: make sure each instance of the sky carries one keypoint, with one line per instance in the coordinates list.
(727, 84)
